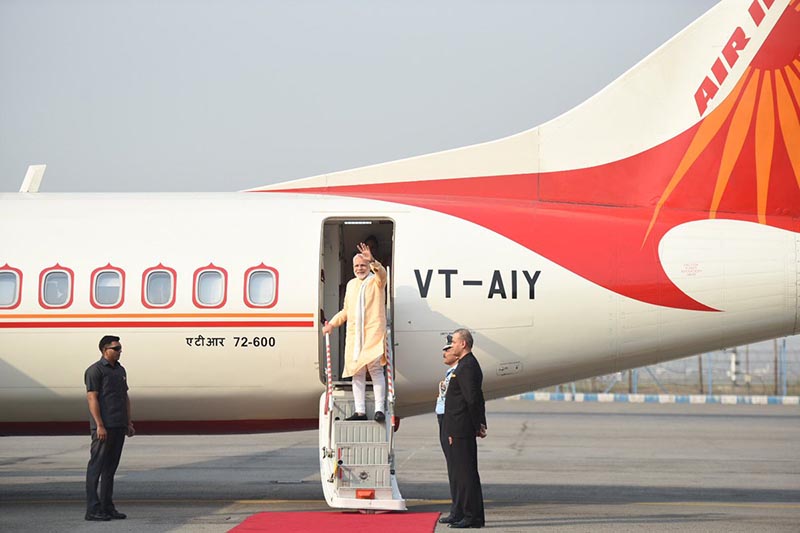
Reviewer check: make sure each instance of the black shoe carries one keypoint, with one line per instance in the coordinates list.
(116, 515)
(449, 519)
(463, 524)
(379, 416)
(356, 416)
(97, 517)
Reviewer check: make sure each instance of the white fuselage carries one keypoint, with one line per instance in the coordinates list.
(535, 323)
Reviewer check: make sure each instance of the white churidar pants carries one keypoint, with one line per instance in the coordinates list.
(378, 386)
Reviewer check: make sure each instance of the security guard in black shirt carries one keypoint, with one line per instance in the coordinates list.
(110, 421)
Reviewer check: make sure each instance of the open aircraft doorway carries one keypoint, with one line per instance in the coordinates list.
(357, 465)
(340, 237)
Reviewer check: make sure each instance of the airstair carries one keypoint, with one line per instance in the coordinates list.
(357, 462)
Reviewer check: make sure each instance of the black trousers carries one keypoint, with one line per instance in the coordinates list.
(103, 463)
(468, 493)
(446, 450)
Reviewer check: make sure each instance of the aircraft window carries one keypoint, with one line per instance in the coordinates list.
(9, 289)
(108, 288)
(210, 288)
(158, 289)
(262, 287)
(57, 288)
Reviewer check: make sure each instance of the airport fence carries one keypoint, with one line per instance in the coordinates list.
(769, 368)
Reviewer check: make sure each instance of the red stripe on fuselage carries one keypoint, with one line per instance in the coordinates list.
(593, 221)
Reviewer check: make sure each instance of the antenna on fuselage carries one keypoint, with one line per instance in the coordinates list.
(33, 178)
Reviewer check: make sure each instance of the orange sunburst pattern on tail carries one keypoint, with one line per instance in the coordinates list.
(755, 126)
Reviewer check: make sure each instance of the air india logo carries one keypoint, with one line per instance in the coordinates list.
(756, 128)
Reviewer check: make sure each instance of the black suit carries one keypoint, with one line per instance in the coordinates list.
(464, 412)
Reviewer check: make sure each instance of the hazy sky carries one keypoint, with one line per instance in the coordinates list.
(212, 95)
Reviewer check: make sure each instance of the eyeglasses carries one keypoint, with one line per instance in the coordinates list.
(115, 348)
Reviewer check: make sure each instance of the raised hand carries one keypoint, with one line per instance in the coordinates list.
(364, 250)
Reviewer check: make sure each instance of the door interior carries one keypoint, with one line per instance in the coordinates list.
(340, 236)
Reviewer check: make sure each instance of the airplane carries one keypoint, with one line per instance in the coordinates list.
(657, 220)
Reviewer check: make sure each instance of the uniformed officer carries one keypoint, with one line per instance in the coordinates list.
(449, 359)
(110, 421)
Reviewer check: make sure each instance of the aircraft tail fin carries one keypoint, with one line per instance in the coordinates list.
(684, 128)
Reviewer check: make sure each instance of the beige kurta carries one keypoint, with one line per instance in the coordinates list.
(374, 319)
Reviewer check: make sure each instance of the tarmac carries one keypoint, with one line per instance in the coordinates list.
(545, 466)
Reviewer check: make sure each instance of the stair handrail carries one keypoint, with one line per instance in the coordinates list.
(389, 369)
(328, 375)
(389, 349)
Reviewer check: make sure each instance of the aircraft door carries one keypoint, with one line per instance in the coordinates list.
(339, 240)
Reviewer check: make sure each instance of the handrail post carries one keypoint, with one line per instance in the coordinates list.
(389, 370)
(328, 375)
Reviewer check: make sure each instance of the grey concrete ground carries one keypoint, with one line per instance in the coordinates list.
(545, 467)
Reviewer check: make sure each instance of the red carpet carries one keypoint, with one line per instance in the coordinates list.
(335, 521)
